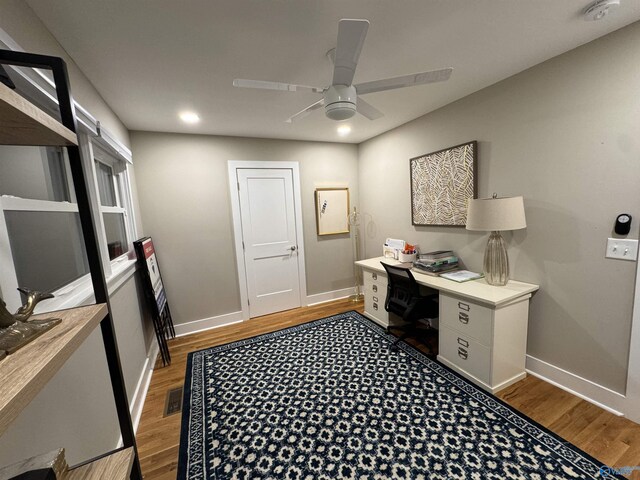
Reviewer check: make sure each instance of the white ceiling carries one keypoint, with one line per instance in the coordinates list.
(150, 59)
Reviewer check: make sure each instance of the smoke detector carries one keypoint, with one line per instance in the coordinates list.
(600, 9)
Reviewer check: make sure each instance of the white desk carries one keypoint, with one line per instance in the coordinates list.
(483, 328)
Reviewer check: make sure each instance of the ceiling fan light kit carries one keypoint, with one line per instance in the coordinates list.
(341, 99)
(340, 102)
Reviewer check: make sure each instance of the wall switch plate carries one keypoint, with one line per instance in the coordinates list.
(622, 249)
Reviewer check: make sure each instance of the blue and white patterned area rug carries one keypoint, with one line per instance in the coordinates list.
(330, 400)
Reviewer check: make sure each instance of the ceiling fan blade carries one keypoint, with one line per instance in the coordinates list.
(351, 35)
(368, 110)
(404, 81)
(303, 113)
(286, 87)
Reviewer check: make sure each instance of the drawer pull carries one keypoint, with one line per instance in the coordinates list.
(463, 306)
(374, 276)
(462, 353)
(463, 342)
(463, 317)
(375, 288)
(375, 306)
(375, 299)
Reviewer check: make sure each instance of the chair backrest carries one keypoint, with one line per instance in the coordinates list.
(402, 289)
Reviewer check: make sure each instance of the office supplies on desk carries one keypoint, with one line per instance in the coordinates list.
(409, 254)
(461, 276)
(435, 263)
(392, 247)
(432, 256)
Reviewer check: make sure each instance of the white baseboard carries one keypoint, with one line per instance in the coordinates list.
(188, 328)
(600, 396)
(329, 296)
(142, 388)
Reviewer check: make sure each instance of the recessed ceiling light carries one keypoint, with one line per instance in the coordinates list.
(189, 117)
(344, 130)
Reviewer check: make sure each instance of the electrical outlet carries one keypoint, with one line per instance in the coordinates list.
(622, 249)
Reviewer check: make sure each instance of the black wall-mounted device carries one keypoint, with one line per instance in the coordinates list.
(623, 224)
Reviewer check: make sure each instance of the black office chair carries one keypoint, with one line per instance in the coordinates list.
(404, 299)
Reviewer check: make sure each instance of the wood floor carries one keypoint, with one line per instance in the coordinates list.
(613, 440)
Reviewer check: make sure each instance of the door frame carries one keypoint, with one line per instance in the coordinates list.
(632, 393)
(234, 165)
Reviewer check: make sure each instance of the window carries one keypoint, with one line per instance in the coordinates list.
(41, 242)
(110, 182)
(39, 222)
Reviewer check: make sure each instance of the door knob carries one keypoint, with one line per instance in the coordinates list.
(292, 248)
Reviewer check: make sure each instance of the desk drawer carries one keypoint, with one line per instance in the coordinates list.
(468, 318)
(375, 282)
(374, 306)
(466, 353)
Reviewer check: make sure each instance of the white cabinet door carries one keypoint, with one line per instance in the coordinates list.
(269, 233)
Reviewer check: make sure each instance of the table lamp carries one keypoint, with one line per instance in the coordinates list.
(493, 215)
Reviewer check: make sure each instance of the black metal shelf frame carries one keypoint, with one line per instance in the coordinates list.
(80, 180)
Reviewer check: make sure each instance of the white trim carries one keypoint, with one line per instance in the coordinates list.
(86, 147)
(26, 204)
(196, 326)
(632, 405)
(8, 277)
(121, 270)
(140, 395)
(42, 86)
(233, 165)
(119, 210)
(117, 148)
(237, 239)
(80, 291)
(129, 202)
(495, 389)
(600, 396)
(324, 297)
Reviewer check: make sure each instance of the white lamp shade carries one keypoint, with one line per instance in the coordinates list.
(496, 214)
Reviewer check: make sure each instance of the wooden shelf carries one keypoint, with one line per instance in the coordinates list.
(116, 466)
(26, 371)
(22, 123)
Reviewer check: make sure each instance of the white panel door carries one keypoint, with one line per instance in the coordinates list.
(267, 211)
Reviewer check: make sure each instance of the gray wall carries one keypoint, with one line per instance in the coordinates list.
(184, 198)
(563, 134)
(22, 24)
(75, 409)
(134, 329)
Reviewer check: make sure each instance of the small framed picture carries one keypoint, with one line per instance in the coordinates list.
(332, 210)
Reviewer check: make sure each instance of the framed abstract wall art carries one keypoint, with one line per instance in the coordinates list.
(442, 183)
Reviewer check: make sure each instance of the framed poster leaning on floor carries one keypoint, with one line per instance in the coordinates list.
(155, 295)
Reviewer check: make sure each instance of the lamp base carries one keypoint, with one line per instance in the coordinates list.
(496, 261)
(358, 297)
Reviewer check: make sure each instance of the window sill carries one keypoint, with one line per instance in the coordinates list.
(80, 292)
(121, 272)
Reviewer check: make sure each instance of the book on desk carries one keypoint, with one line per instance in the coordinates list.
(436, 263)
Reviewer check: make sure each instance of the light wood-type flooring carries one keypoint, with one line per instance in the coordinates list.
(613, 440)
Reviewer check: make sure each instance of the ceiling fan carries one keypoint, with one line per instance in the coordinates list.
(341, 99)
